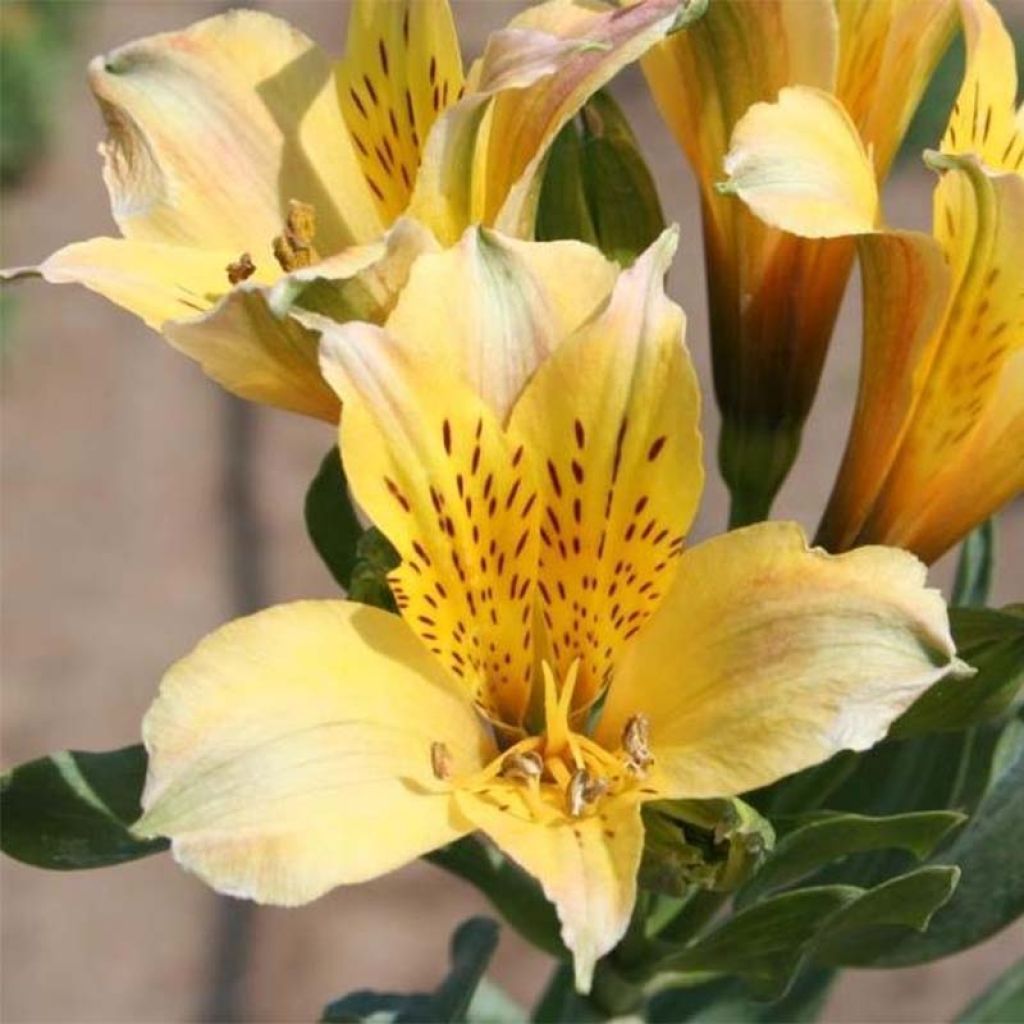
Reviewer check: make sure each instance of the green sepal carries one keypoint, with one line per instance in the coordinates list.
(472, 947)
(73, 810)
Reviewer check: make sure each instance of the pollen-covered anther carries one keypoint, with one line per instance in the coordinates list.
(293, 248)
(584, 789)
(241, 269)
(635, 742)
(440, 760)
(523, 766)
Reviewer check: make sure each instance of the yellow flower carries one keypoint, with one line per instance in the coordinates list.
(773, 297)
(536, 460)
(243, 167)
(937, 442)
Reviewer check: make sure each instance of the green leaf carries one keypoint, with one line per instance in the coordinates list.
(597, 187)
(832, 836)
(331, 520)
(72, 810)
(1001, 1003)
(472, 947)
(987, 851)
(512, 892)
(856, 935)
(559, 1001)
(375, 558)
(993, 643)
(975, 567)
(493, 1005)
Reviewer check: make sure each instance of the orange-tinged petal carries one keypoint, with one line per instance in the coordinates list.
(212, 130)
(767, 657)
(611, 421)
(428, 461)
(984, 121)
(493, 308)
(290, 752)
(587, 866)
(402, 68)
(800, 165)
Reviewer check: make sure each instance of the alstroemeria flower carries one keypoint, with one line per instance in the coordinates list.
(774, 297)
(239, 158)
(937, 442)
(537, 475)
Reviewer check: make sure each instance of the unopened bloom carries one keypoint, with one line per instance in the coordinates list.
(537, 475)
(937, 441)
(244, 168)
(773, 297)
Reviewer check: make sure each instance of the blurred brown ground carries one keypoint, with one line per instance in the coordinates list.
(113, 566)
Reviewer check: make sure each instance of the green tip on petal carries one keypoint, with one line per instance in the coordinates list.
(689, 12)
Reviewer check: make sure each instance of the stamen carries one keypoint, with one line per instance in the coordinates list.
(522, 766)
(242, 269)
(293, 248)
(441, 760)
(635, 739)
(584, 789)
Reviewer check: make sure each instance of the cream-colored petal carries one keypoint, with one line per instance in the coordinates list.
(251, 347)
(768, 657)
(156, 282)
(612, 423)
(800, 165)
(494, 309)
(290, 752)
(587, 866)
(428, 461)
(212, 130)
(402, 68)
(482, 161)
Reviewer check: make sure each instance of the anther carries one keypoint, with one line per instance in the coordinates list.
(584, 789)
(293, 248)
(242, 269)
(441, 760)
(635, 737)
(522, 766)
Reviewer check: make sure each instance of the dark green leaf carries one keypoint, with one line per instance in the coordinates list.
(562, 211)
(1001, 1003)
(974, 569)
(856, 935)
(832, 836)
(375, 558)
(331, 520)
(513, 893)
(73, 810)
(990, 641)
(988, 852)
(473, 946)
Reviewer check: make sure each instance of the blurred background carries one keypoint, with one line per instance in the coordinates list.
(142, 507)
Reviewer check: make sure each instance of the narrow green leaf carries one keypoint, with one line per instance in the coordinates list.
(513, 893)
(856, 935)
(72, 810)
(975, 568)
(472, 947)
(833, 836)
(1001, 1003)
(331, 520)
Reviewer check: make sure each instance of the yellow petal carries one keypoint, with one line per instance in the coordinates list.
(983, 121)
(888, 51)
(768, 657)
(291, 752)
(155, 282)
(494, 308)
(402, 67)
(586, 866)
(212, 130)
(962, 458)
(800, 165)
(482, 161)
(428, 461)
(250, 347)
(906, 286)
(612, 423)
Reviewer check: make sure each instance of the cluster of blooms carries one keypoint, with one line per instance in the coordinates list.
(354, 242)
